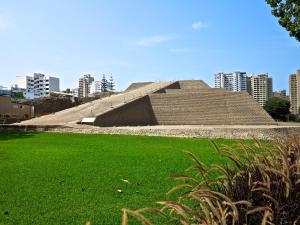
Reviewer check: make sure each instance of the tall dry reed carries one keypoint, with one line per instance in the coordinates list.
(259, 185)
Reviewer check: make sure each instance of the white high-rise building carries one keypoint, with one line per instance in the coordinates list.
(27, 84)
(43, 85)
(38, 85)
(95, 87)
(236, 81)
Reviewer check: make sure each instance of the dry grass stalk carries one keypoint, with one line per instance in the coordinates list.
(260, 186)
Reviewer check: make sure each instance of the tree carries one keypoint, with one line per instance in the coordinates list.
(278, 108)
(104, 84)
(294, 118)
(68, 90)
(288, 12)
(18, 95)
(111, 84)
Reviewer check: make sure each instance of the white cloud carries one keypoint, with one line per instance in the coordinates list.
(4, 23)
(179, 50)
(199, 25)
(153, 40)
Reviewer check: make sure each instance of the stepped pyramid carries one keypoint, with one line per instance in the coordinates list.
(187, 102)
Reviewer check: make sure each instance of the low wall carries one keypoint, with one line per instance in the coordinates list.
(262, 133)
(31, 128)
(138, 112)
(9, 109)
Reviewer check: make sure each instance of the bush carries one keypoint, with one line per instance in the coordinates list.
(261, 185)
(293, 118)
(278, 108)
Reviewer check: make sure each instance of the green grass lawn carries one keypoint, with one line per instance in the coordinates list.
(66, 179)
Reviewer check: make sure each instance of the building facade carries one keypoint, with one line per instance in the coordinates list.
(84, 85)
(236, 81)
(294, 86)
(95, 87)
(261, 88)
(43, 85)
(281, 94)
(9, 110)
(74, 91)
(4, 91)
(27, 84)
(37, 86)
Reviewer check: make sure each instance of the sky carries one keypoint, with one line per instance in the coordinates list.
(143, 40)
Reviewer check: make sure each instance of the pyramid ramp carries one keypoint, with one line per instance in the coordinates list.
(191, 106)
(93, 109)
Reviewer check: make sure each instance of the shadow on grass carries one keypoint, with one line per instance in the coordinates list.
(9, 135)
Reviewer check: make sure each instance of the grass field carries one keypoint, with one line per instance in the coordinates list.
(65, 179)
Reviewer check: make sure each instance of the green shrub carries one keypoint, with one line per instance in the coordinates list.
(278, 108)
(260, 186)
(293, 118)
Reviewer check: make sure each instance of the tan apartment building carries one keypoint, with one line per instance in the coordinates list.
(261, 87)
(294, 83)
(14, 110)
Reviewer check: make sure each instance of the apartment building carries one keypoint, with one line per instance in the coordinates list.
(26, 83)
(43, 85)
(38, 85)
(236, 81)
(261, 88)
(95, 87)
(294, 86)
(84, 85)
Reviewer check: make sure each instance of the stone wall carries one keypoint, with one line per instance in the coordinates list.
(136, 113)
(48, 105)
(245, 132)
(15, 111)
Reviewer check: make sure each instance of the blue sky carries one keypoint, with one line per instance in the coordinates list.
(143, 40)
